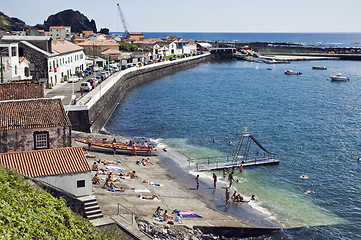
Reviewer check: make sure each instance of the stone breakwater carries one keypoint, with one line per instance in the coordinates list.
(93, 110)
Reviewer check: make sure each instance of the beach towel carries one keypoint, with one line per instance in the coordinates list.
(139, 190)
(114, 169)
(112, 190)
(189, 214)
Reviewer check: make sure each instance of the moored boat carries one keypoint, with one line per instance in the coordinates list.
(120, 148)
(339, 77)
(291, 72)
(319, 67)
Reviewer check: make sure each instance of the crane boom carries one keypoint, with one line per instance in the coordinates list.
(123, 19)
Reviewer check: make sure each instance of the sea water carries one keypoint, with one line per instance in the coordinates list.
(312, 124)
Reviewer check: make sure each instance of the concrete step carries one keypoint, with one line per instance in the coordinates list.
(93, 212)
(91, 208)
(87, 198)
(96, 216)
(90, 204)
(98, 222)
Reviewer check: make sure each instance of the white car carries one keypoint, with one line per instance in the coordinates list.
(73, 79)
(86, 86)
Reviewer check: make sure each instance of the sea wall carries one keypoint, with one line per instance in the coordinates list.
(92, 111)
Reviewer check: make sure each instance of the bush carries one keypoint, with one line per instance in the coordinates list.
(29, 213)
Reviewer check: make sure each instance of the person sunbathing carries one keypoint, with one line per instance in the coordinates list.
(115, 188)
(107, 183)
(178, 218)
(157, 212)
(87, 154)
(95, 167)
(132, 175)
(145, 161)
(149, 197)
(95, 179)
(166, 216)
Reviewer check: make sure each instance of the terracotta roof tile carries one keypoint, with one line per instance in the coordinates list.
(58, 27)
(21, 90)
(64, 46)
(32, 113)
(98, 43)
(47, 162)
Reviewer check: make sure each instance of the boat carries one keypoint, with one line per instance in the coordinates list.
(121, 148)
(291, 72)
(339, 77)
(318, 67)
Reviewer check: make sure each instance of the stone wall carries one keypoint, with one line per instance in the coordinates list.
(94, 118)
(23, 139)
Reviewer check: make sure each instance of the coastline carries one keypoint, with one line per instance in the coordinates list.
(177, 193)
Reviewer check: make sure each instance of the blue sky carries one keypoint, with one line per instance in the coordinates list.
(202, 15)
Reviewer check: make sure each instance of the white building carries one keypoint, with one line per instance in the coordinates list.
(62, 32)
(64, 168)
(69, 58)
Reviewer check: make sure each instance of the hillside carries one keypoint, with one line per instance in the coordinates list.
(11, 24)
(29, 213)
(76, 20)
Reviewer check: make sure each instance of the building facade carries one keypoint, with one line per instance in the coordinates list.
(33, 124)
(62, 32)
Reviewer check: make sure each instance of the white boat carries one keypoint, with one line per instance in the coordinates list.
(291, 72)
(339, 77)
(319, 67)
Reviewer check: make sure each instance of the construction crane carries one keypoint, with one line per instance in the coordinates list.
(123, 20)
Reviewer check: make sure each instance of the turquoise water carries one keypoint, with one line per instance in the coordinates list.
(312, 124)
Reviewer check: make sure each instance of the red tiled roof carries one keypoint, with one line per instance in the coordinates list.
(58, 27)
(47, 162)
(63, 46)
(111, 52)
(98, 43)
(21, 90)
(32, 113)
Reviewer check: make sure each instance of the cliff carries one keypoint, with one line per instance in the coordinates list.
(9, 24)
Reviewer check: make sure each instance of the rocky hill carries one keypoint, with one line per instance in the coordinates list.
(9, 24)
(76, 20)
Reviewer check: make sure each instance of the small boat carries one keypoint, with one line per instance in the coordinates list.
(121, 148)
(319, 68)
(291, 72)
(339, 77)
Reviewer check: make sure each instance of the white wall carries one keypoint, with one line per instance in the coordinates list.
(66, 65)
(68, 182)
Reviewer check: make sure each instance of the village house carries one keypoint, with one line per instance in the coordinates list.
(64, 168)
(95, 48)
(49, 61)
(21, 90)
(62, 32)
(33, 124)
(69, 60)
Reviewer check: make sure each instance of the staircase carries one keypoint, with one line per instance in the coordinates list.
(91, 207)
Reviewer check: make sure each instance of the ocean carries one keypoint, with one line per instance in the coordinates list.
(307, 39)
(312, 124)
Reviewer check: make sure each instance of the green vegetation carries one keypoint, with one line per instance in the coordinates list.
(130, 47)
(29, 213)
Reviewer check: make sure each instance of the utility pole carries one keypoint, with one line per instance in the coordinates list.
(2, 76)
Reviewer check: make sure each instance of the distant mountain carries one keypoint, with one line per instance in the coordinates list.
(76, 20)
(11, 24)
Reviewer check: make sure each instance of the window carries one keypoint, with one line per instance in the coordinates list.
(41, 140)
(80, 184)
(13, 51)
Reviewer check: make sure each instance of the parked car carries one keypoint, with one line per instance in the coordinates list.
(85, 86)
(99, 78)
(172, 58)
(103, 75)
(73, 79)
(123, 67)
(86, 73)
(96, 69)
(115, 69)
(93, 82)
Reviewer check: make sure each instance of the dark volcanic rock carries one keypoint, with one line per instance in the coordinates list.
(11, 24)
(76, 20)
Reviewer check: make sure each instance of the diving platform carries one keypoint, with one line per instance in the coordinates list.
(241, 158)
(207, 164)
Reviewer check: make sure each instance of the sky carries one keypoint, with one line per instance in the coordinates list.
(201, 15)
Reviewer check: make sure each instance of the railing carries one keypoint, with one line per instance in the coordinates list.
(148, 224)
(202, 164)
